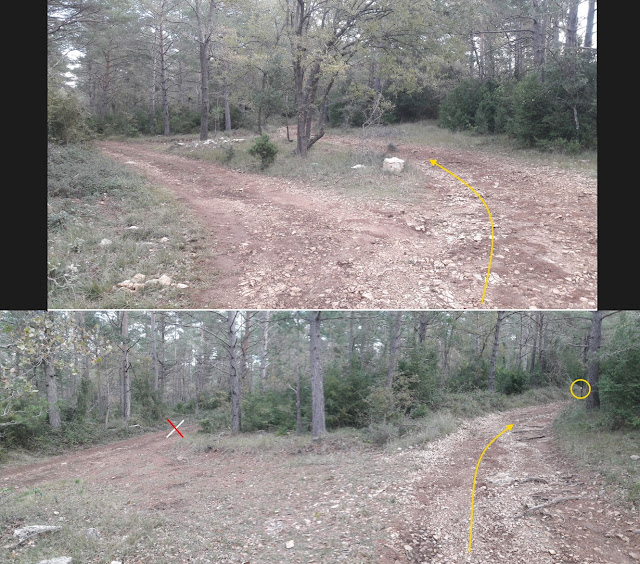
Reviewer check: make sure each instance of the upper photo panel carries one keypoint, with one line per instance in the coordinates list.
(280, 154)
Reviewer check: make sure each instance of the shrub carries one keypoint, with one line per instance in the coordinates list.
(471, 375)
(619, 383)
(513, 381)
(380, 434)
(66, 117)
(265, 150)
(345, 394)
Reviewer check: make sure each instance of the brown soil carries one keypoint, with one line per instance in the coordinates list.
(283, 244)
(343, 503)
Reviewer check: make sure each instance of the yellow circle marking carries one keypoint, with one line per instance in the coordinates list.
(579, 380)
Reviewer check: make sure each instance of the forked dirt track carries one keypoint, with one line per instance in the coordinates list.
(282, 244)
(344, 505)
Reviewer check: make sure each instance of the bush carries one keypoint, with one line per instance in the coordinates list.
(380, 434)
(66, 117)
(514, 381)
(265, 150)
(457, 111)
(619, 382)
(471, 375)
(345, 396)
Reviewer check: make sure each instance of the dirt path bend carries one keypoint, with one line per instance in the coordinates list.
(222, 503)
(520, 471)
(281, 244)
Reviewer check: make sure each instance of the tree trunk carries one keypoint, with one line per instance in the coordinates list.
(204, 89)
(588, 36)
(234, 376)
(572, 25)
(126, 377)
(593, 371)
(264, 358)
(204, 39)
(227, 109)
(163, 79)
(50, 378)
(351, 344)
(154, 353)
(298, 403)
(318, 427)
(532, 365)
(494, 353)
(393, 349)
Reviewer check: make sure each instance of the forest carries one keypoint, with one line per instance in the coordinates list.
(526, 69)
(69, 375)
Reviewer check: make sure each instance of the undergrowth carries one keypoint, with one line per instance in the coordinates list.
(586, 437)
(107, 224)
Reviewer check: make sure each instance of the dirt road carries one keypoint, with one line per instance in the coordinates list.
(336, 501)
(282, 244)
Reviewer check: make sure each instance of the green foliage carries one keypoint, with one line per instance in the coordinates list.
(418, 374)
(264, 150)
(272, 411)
(620, 378)
(85, 393)
(457, 111)
(345, 396)
(511, 381)
(184, 120)
(144, 399)
(66, 117)
(540, 110)
(470, 375)
(413, 106)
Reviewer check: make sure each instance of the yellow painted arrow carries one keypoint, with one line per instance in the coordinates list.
(473, 491)
(434, 162)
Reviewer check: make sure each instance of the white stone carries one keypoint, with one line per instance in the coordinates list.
(635, 457)
(32, 530)
(138, 278)
(58, 560)
(393, 164)
(134, 227)
(106, 242)
(358, 166)
(182, 285)
(289, 544)
(165, 280)
(164, 240)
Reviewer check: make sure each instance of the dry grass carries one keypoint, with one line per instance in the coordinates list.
(584, 437)
(82, 272)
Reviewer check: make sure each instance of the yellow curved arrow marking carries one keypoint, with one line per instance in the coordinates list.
(473, 491)
(434, 162)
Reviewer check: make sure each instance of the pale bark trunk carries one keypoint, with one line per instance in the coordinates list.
(234, 376)
(126, 377)
(318, 427)
(588, 36)
(264, 358)
(593, 371)
(494, 353)
(154, 353)
(52, 392)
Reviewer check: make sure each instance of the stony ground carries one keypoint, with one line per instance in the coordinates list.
(284, 244)
(333, 501)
